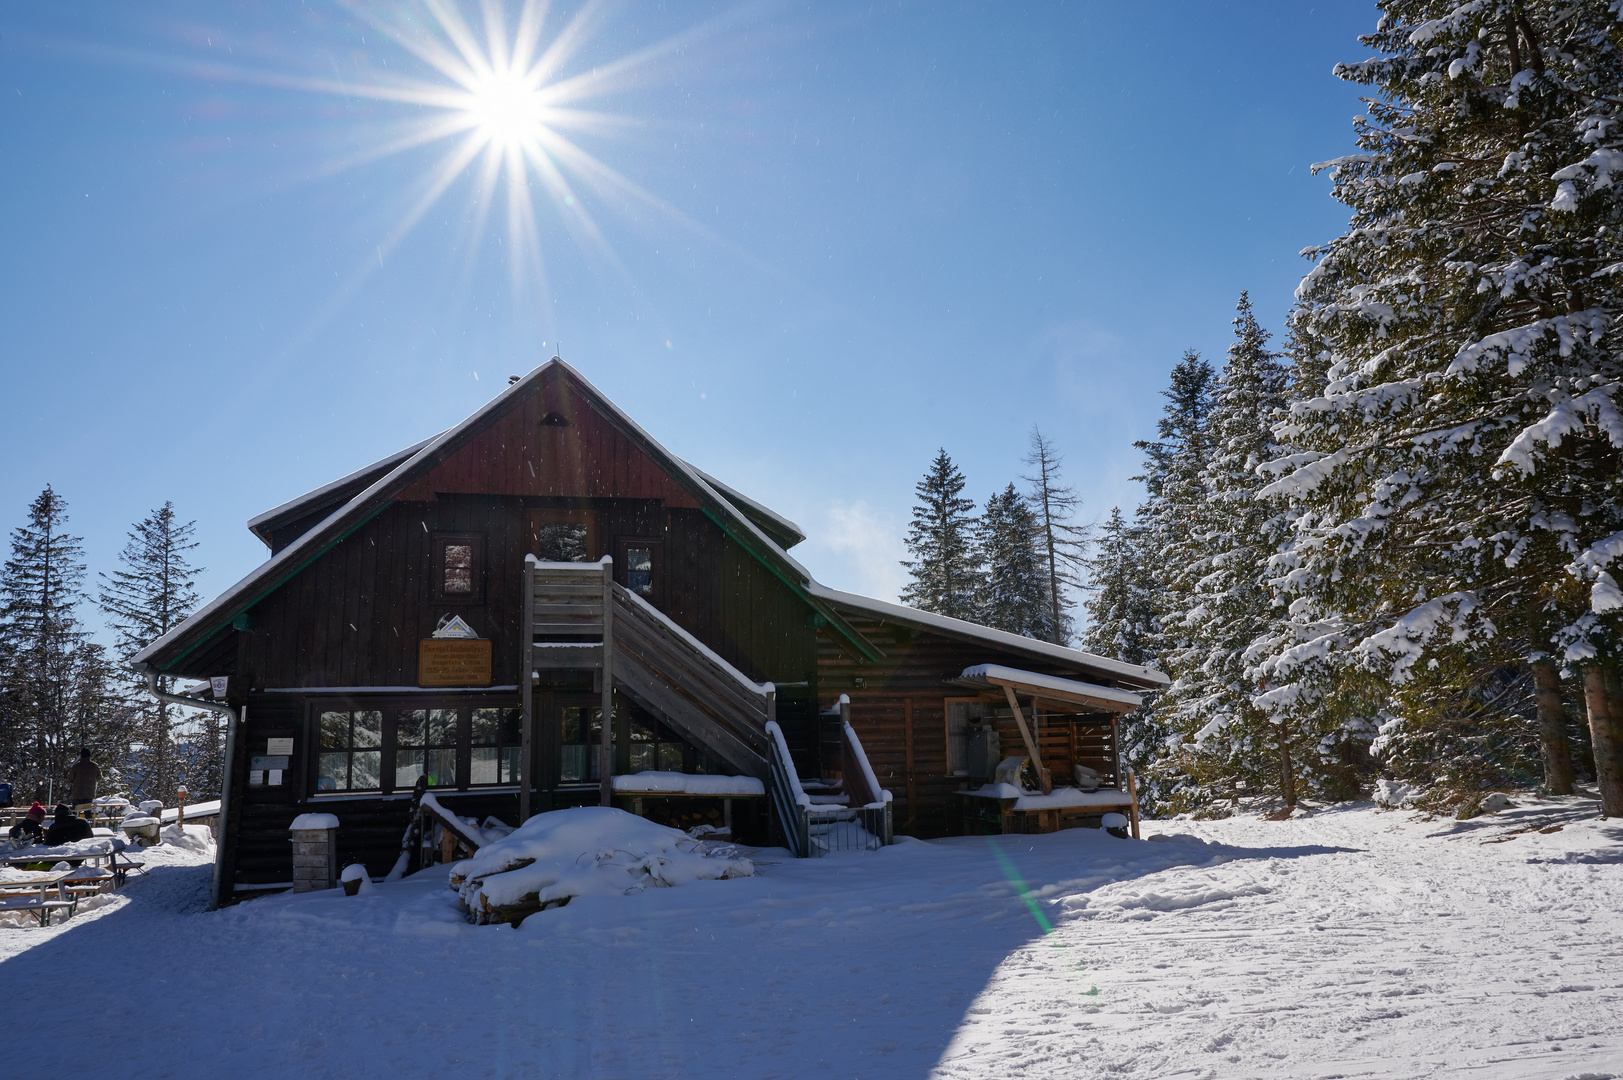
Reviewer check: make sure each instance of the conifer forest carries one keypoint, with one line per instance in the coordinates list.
(1375, 554)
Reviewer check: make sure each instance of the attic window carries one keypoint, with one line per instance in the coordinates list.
(459, 567)
(555, 419)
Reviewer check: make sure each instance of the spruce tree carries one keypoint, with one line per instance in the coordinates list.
(1457, 464)
(1230, 541)
(1062, 541)
(1120, 599)
(40, 591)
(1164, 527)
(945, 568)
(1122, 625)
(1014, 594)
(150, 594)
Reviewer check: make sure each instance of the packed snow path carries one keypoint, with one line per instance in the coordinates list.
(1350, 943)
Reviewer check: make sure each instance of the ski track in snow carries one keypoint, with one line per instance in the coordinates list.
(1349, 943)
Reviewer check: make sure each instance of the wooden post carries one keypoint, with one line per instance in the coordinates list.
(180, 806)
(912, 791)
(1115, 749)
(526, 681)
(1043, 776)
(1132, 791)
(606, 751)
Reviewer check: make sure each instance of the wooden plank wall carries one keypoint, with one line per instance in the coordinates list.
(917, 665)
(519, 455)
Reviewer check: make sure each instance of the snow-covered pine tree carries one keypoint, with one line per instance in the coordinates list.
(1231, 606)
(150, 594)
(1119, 604)
(1063, 542)
(1121, 625)
(1165, 525)
(1014, 594)
(40, 591)
(945, 568)
(1458, 466)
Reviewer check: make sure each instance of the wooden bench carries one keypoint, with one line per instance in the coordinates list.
(35, 905)
(122, 865)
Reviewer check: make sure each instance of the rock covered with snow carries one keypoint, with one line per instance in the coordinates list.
(584, 851)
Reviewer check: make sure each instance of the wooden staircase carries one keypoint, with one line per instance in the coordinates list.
(580, 617)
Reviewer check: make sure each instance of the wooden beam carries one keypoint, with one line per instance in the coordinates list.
(659, 697)
(912, 788)
(1043, 776)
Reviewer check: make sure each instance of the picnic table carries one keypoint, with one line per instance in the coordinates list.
(75, 854)
(20, 895)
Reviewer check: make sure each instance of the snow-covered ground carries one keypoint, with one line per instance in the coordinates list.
(1349, 943)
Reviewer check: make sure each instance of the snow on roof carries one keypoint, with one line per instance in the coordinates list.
(316, 496)
(1001, 638)
(271, 573)
(1031, 680)
(737, 497)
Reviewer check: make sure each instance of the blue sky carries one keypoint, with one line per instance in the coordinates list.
(864, 231)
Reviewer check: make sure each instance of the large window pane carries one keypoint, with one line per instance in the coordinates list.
(640, 570)
(408, 729)
(458, 569)
(482, 768)
(334, 730)
(670, 757)
(643, 757)
(408, 766)
(332, 770)
(510, 765)
(442, 768)
(442, 727)
(572, 765)
(369, 728)
(366, 770)
(487, 727)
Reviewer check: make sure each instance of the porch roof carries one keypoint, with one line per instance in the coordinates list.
(1049, 690)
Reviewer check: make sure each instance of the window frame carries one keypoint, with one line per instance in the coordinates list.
(656, 564)
(442, 540)
(537, 516)
(319, 750)
(392, 708)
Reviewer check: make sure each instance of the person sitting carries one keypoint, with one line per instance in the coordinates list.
(67, 828)
(30, 829)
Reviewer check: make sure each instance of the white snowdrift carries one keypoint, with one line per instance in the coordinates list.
(586, 851)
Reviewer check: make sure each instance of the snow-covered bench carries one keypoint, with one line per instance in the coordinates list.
(35, 905)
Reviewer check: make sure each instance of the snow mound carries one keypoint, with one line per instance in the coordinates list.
(198, 838)
(1392, 795)
(584, 851)
(314, 821)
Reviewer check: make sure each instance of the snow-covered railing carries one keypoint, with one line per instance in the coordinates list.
(858, 818)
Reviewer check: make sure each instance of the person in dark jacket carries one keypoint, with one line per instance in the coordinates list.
(31, 828)
(82, 779)
(67, 828)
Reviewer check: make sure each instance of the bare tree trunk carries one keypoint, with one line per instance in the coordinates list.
(1287, 773)
(1552, 728)
(1602, 692)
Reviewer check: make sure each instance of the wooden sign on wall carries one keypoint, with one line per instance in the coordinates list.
(453, 662)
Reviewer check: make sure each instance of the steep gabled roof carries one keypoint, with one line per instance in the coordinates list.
(171, 650)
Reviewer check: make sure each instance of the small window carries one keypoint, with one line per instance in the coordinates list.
(656, 747)
(459, 571)
(560, 535)
(425, 744)
(581, 737)
(351, 754)
(637, 567)
(496, 738)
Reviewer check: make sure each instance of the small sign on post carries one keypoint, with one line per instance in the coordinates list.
(218, 683)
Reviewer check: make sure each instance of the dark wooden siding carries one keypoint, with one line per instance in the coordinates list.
(899, 711)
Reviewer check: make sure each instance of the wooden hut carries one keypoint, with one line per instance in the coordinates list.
(461, 615)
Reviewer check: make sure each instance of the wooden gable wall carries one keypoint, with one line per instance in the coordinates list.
(355, 615)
